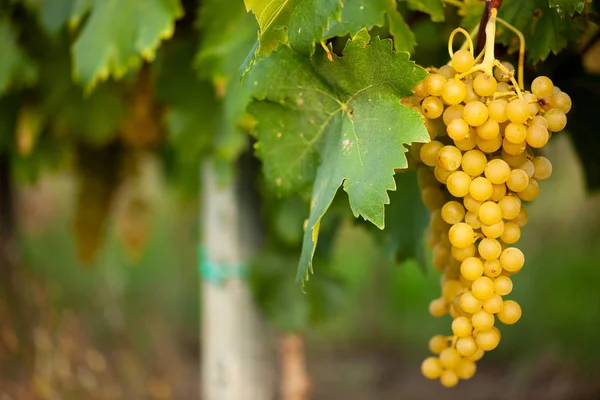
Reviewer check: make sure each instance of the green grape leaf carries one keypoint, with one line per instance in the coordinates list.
(16, 68)
(435, 8)
(226, 38)
(358, 14)
(117, 36)
(299, 22)
(567, 6)
(345, 113)
(404, 38)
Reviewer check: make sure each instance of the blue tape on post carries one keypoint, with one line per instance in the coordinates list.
(217, 273)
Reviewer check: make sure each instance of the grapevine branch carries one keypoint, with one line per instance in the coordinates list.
(489, 6)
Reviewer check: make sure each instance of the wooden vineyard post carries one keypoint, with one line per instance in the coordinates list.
(238, 350)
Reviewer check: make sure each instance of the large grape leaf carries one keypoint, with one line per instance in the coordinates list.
(226, 39)
(301, 22)
(119, 34)
(435, 8)
(359, 14)
(345, 114)
(15, 66)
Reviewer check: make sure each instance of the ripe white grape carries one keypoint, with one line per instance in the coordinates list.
(462, 61)
(475, 113)
(434, 83)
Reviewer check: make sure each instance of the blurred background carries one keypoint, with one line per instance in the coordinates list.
(101, 231)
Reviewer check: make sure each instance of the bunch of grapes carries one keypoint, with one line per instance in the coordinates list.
(475, 175)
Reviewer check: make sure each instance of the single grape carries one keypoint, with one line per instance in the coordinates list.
(481, 189)
(515, 133)
(462, 61)
(458, 129)
(493, 305)
(490, 213)
(461, 235)
(503, 285)
(431, 368)
(462, 327)
(435, 84)
(432, 107)
(488, 340)
(458, 184)
(437, 344)
(420, 90)
(449, 158)
(485, 85)
(497, 171)
(557, 120)
(489, 130)
(454, 91)
(466, 346)
(438, 308)
(511, 233)
(453, 212)
(518, 180)
(449, 378)
(489, 249)
(531, 192)
(510, 313)
(469, 303)
(432, 197)
(441, 174)
(471, 268)
(447, 71)
(539, 120)
(510, 206)
(517, 111)
(475, 113)
(483, 288)
(449, 358)
(472, 220)
(512, 259)
(492, 268)
(497, 110)
(466, 369)
(542, 168)
(474, 162)
(542, 86)
(537, 136)
(499, 192)
(561, 101)
(483, 320)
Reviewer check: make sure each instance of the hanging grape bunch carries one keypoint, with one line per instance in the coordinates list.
(475, 176)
